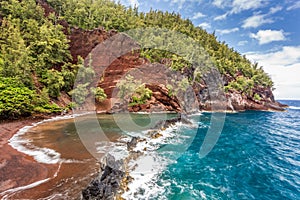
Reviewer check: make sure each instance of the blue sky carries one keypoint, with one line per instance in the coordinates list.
(266, 31)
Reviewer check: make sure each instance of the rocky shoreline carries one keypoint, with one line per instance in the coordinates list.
(114, 175)
(109, 182)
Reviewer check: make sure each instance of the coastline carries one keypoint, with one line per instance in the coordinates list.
(11, 159)
(14, 164)
(121, 177)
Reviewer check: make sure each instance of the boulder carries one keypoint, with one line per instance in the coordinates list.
(108, 182)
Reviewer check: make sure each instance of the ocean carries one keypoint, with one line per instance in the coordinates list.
(256, 156)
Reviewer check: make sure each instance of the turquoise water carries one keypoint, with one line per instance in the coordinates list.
(256, 157)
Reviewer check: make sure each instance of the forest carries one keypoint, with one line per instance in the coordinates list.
(36, 65)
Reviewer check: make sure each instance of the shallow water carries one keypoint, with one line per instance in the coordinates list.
(256, 157)
(58, 145)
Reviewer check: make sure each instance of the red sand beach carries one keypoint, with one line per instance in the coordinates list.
(13, 164)
(22, 177)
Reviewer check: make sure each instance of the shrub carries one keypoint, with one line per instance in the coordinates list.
(80, 93)
(54, 82)
(257, 97)
(99, 94)
(15, 99)
(140, 96)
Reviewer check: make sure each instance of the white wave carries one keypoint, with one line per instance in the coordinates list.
(10, 192)
(141, 134)
(196, 114)
(54, 196)
(117, 149)
(41, 155)
(294, 107)
(146, 168)
(58, 118)
(145, 171)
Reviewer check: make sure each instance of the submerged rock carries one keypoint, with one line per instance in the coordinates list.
(156, 135)
(132, 144)
(163, 124)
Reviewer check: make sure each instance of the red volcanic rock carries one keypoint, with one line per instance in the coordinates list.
(160, 94)
(117, 70)
(83, 41)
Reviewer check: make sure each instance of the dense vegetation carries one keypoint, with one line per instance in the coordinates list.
(35, 61)
(89, 14)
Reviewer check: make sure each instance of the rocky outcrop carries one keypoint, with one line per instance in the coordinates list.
(109, 181)
(161, 125)
(236, 101)
(82, 43)
(132, 143)
(118, 69)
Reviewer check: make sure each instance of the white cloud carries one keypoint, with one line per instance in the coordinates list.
(227, 31)
(221, 17)
(205, 25)
(237, 6)
(179, 2)
(198, 15)
(134, 3)
(294, 6)
(241, 5)
(267, 36)
(275, 9)
(242, 43)
(256, 21)
(220, 3)
(286, 56)
(284, 67)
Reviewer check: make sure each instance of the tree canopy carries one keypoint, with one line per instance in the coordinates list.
(35, 58)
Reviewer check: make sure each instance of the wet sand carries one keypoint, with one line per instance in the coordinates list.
(13, 164)
(21, 177)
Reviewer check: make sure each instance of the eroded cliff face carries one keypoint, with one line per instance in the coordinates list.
(82, 42)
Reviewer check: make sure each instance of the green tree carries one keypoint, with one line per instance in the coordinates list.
(54, 81)
(99, 94)
(14, 55)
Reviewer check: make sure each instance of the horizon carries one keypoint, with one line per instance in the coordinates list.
(262, 30)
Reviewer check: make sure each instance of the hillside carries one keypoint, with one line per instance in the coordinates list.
(44, 44)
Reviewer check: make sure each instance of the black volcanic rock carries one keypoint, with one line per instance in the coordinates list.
(107, 184)
(132, 143)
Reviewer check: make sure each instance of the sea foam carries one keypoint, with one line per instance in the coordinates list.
(146, 169)
(40, 154)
